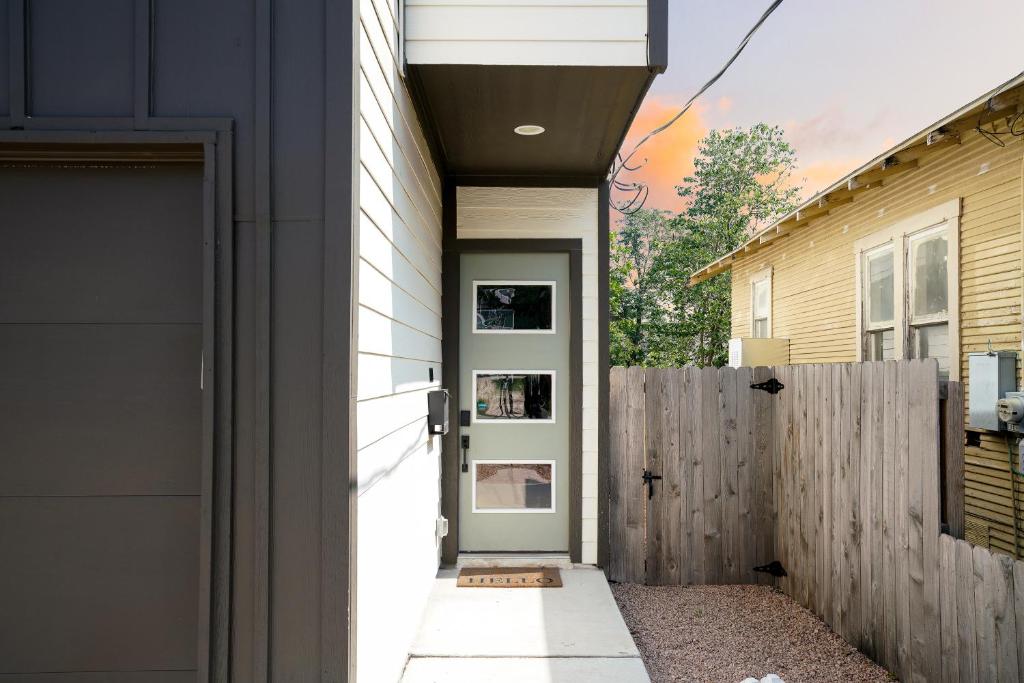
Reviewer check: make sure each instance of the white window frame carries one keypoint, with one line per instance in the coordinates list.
(554, 305)
(518, 511)
(521, 421)
(756, 278)
(944, 216)
(866, 326)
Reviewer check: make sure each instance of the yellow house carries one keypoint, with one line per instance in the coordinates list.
(915, 254)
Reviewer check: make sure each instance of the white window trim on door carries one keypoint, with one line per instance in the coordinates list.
(757, 277)
(899, 235)
(518, 511)
(554, 305)
(517, 421)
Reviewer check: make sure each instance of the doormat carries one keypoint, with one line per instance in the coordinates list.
(509, 577)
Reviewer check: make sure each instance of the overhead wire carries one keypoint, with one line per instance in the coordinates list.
(623, 162)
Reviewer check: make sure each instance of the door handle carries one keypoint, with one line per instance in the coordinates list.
(649, 478)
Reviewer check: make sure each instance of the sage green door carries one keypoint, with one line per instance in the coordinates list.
(514, 381)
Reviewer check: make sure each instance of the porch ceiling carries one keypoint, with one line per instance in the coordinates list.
(473, 110)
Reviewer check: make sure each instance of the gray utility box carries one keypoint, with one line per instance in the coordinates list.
(991, 376)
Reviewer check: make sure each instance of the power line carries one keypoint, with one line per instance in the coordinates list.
(637, 202)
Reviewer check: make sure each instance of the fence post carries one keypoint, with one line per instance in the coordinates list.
(951, 415)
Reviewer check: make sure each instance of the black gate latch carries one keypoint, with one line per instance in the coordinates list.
(649, 478)
(772, 386)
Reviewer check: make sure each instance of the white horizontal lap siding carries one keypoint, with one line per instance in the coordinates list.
(552, 213)
(530, 32)
(399, 343)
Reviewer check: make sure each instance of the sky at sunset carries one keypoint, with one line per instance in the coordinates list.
(846, 80)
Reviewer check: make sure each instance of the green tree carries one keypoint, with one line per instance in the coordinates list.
(635, 311)
(742, 181)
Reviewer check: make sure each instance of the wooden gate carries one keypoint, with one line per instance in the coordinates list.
(691, 475)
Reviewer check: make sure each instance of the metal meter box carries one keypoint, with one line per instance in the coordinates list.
(437, 411)
(991, 376)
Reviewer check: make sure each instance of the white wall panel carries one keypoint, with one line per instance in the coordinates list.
(399, 344)
(536, 32)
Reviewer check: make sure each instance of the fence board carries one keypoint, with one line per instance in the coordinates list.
(817, 447)
(729, 459)
(836, 473)
(867, 444)
(827, 454)
(967, 645)
(617, 491)
(903, 622)
(1018, 603)
(712, 410)
(699, 560)
(927, 425)
(1000, 580)
(686, 447)
(763, 477)
(745, 524)
(985, 632)
(852, 618)
(947, 592)
(876, 544)
(888, 468)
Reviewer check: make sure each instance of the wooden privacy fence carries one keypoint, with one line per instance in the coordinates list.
(837, 477)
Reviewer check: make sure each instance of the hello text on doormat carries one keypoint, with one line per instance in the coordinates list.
(509, 577)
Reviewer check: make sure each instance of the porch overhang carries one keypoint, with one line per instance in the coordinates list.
(474, 109)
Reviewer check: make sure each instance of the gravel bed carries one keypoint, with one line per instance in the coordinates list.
(727, 633)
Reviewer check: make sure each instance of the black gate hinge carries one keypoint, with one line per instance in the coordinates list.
(772, 386)
(649, 478)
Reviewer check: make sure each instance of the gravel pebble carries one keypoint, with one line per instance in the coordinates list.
(728, 633)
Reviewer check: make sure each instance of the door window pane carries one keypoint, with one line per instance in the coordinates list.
(503, 396)
(514, 306)
(879, 284)
(932, 341)
(513, 486)
(929, 271)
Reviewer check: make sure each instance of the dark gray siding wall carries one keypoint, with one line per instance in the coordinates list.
(276, 78)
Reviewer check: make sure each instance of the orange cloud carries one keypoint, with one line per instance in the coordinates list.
(816, 176)
(669, 155)
(724, 103)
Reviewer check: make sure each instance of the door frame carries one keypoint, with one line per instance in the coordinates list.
(453, 249)
(211, 151)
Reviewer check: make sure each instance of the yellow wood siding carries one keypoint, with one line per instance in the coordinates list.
(814, 299)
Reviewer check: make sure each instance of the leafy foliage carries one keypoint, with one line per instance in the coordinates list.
(740, 184)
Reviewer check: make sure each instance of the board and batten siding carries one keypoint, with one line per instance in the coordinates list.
(814, 296)
(527, 32)
(552, 213)
(399, 343)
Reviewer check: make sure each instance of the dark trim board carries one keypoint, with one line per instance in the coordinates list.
(453, 248)
(603, 256)
(657, 35)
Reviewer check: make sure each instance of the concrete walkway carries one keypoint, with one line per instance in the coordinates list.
(543, 635)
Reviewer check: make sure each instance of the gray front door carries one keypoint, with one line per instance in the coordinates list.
(514, 381)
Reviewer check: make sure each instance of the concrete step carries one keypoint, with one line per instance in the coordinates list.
(559, 560)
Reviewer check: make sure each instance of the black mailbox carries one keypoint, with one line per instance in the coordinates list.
(437, 411)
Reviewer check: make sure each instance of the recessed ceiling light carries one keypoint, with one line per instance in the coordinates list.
(529, 129)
